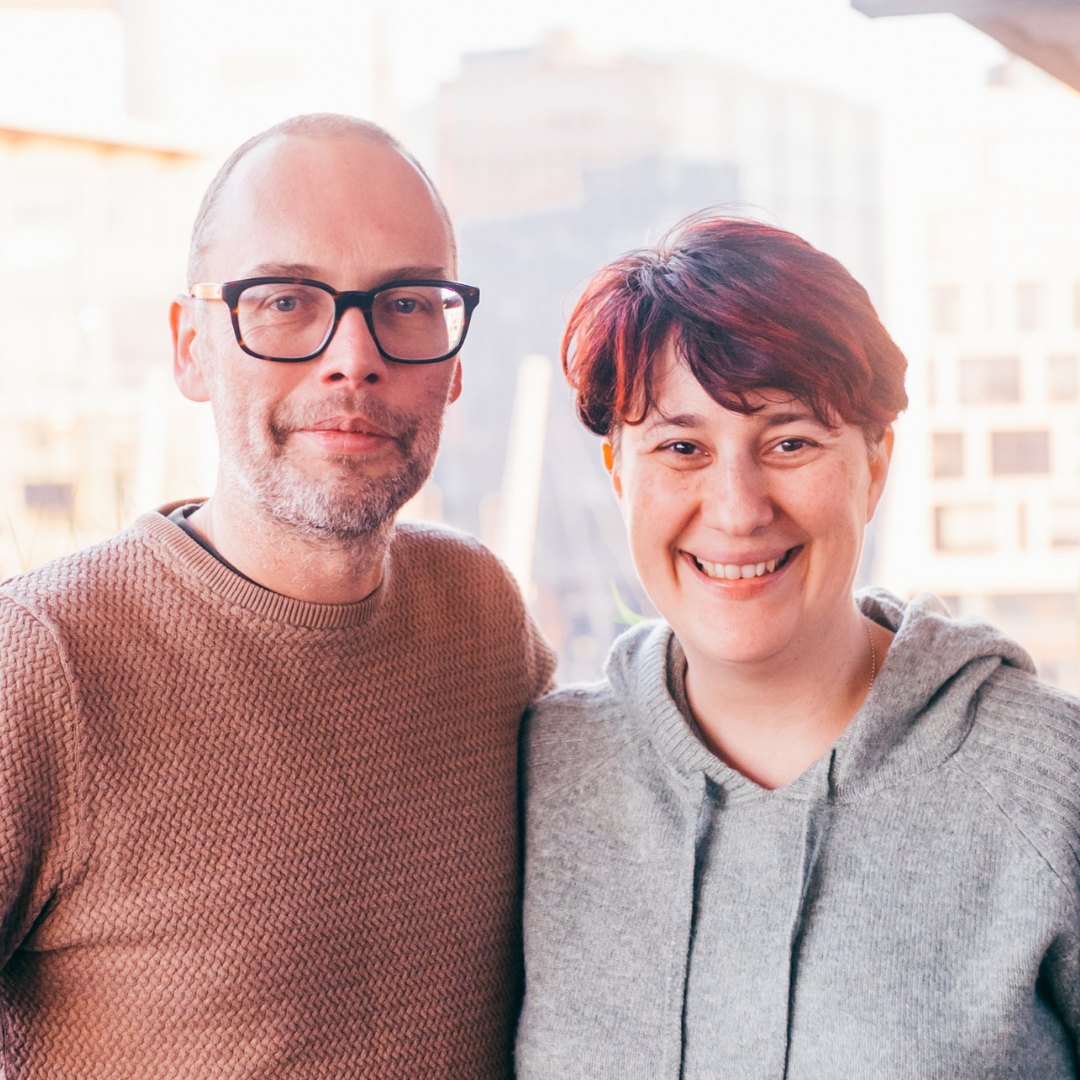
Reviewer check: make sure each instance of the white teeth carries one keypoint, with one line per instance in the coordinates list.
(734, 572)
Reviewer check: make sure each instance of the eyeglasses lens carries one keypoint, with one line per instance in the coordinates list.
(418, 322)
(285, 321)
(412, 322)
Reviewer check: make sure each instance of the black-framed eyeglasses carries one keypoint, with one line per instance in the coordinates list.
(291, 320)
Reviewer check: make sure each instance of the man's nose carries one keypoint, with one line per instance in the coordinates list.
(352, 357)
(736, 499)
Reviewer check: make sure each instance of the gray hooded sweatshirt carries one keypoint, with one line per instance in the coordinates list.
(908, 907)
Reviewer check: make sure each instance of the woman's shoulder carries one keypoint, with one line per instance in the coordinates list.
(584, 713)
(1024, 748)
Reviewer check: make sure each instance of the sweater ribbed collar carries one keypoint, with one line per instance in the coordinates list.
(916, 715)
(174, 544)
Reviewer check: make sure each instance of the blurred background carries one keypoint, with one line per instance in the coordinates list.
(937, 157)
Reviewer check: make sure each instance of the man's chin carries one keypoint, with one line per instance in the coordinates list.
(345, 506)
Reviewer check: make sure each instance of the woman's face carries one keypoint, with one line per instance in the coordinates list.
(746, 530)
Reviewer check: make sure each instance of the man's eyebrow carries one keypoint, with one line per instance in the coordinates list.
(304, 270)
(273, 269)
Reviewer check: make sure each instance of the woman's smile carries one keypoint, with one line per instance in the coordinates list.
(746, 527)
(732, 570)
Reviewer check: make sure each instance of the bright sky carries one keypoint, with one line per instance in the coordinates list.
(68, 64)
(820, 41)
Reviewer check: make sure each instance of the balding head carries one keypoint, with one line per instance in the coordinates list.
(334, 445)
(314, 126)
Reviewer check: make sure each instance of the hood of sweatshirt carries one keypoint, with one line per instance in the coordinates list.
(918, 712)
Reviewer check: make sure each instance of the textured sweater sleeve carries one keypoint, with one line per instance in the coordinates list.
(1028, 736)
(40, 833)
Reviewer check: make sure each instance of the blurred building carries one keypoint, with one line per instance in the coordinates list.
(553, 162)
(93, 235)
(984, 502)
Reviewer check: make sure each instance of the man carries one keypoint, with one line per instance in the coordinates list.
(258, 776)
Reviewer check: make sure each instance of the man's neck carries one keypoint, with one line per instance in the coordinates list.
(309, 568)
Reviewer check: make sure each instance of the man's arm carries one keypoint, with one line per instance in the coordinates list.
(42, 833)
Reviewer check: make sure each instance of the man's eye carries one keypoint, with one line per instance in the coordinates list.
(284, 304)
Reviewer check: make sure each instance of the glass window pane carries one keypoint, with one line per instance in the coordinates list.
(945, 309)
(1065, 524)
(964, 528)
(989, 379)
(1030, 305)
(948, 454)
(1015, 453)
(1062, 383)
(50, 497)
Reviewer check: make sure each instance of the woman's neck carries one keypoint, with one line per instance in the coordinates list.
(771, 721)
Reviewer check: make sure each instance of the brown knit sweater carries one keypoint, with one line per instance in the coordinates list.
(246, 836)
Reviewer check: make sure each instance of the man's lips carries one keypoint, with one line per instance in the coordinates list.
(346, 435)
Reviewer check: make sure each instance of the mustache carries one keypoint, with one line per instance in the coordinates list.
(402, 427)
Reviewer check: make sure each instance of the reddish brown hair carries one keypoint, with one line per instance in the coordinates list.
(751, 308)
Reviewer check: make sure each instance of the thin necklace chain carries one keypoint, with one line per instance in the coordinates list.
(873, 653)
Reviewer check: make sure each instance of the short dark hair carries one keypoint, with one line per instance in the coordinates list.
(750, 308)
(311, 126)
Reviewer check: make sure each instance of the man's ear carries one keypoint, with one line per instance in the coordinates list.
(880, 456)
(186, 370)
(612, 467)
(455, 384)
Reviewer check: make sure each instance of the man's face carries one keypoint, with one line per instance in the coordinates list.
(335, 445)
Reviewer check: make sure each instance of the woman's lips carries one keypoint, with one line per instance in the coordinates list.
(743, 571)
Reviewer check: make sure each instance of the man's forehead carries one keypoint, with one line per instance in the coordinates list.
(297, 199)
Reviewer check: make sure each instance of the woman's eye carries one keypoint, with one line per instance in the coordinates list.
(790, 446)
(404, 305)
(684, 448)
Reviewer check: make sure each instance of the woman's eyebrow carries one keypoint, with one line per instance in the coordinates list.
(679, 420)
(781, 418)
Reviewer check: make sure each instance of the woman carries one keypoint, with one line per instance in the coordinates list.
(795, 833)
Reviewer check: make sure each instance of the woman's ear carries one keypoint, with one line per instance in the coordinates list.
(611, 466)
(880, 456)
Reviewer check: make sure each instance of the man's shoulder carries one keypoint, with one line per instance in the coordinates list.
(451, 592)
(99, 572)
(454, 563)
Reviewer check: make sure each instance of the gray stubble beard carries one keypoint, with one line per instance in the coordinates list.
(360, 511)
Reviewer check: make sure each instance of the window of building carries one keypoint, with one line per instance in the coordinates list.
(1030, 305)
(964, 528)
(945, 309)
(948, 454)
(1062, 383)
(1065, 524)
(54, 498)
(989, 379)
(1019, 453)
